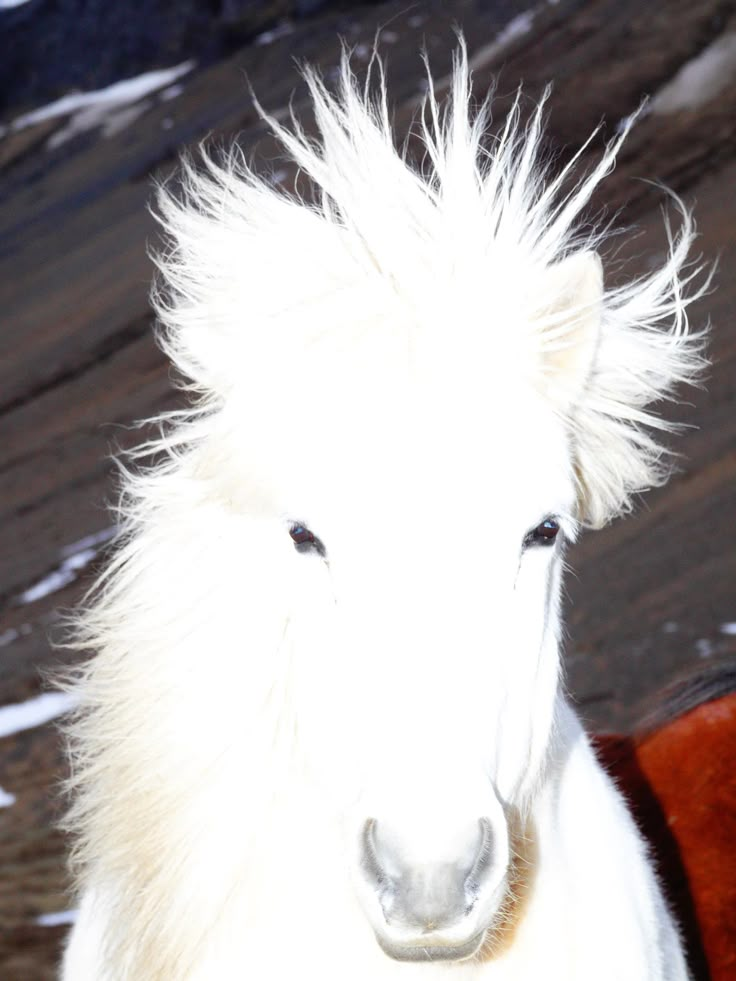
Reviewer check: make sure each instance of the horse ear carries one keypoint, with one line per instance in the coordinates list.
(606, 363)
(572, 324)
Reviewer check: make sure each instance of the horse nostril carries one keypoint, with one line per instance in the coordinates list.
(371, 864)
(481, 866)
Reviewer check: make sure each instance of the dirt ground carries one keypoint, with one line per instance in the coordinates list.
(649, 597)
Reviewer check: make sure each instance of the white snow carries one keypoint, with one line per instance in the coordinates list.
(89, 541)
(59, 577)
(8, 636)
(171, 92)
(728, 628)
(74, 557)
(268, 37)
(111, 122)
(517, 27)
(11, 634)
(64, 918)
(6, 799)
(9, 4)
(699, 80)
(111, 107)
(704, 647)
(35, 712)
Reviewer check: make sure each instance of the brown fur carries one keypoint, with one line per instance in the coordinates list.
(680, 779)
(521, 880)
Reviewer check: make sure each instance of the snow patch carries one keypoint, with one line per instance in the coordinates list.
(89, 541)
(172, 92)
(8, 636)
(10, 4)
(729, 629)
(517, 27)
(35, 712)
(699, 80)
(74, 558)
(111, 123)
(110, 107)
(268, 37)
(13, 633)
(64, 918)
(704, 647)
(6, 799)
(60, 577)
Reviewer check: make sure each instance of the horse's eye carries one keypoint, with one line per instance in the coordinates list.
(305, 541)
(544, 534)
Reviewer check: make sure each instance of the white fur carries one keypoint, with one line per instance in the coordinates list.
(420, 366)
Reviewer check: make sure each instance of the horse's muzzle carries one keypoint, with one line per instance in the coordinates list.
(436, 911)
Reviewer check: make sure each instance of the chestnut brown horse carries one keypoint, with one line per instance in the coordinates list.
(679, 774)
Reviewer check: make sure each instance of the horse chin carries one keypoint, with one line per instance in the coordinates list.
(423, 950)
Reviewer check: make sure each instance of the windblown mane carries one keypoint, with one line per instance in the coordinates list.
(252, 274)
(384, 232)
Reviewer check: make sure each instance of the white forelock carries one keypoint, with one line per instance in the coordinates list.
(253, 272)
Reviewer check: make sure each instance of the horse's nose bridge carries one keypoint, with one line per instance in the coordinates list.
(423, 597)
(433, 563)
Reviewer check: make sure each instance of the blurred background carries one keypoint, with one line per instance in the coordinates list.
(97, 98)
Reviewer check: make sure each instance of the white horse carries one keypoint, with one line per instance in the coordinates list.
(324, 733)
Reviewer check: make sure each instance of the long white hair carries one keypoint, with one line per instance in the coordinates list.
(475, 204)
(253, 279)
